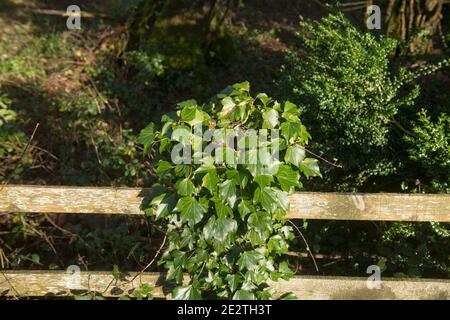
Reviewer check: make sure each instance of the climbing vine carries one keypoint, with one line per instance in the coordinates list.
(225, 220)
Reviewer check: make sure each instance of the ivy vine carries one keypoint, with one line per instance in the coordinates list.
(226, 225)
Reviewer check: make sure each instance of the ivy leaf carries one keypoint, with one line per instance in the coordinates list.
(243, 295)
(242, 86)
(175, 273)
(223, 210)
(227, 192)
(287, 178)
(264, 98)
(271, 199)
(249, 260)
(295, 155)
(263, 180)
(270, 118)
(290, 109)
(290, 130)
(310, 167)
(163, 205)
(233, 281)
(304, 135)
(186, 293)
(288, 296)
(147, 137)
(219, 228)
(164, 144)
(277, 244)
(187, 104)
(286, 272)
(245, 207)
(185, 187)
(163, 166)
(191, 211)
(261, 223)
(192, 115)
(228, 106)
(210, 181)
(188, 113)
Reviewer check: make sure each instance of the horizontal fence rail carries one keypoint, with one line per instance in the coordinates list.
(304, 205)
(57, 283)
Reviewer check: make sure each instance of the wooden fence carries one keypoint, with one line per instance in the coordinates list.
(330, 206)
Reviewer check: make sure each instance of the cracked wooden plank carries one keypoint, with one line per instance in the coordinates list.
(304, 205)
(58, 283)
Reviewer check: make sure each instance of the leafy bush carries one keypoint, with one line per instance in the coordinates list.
(226, 223)
(348, 93)
(430, 148)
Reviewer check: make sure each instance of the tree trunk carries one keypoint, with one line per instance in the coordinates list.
(414, 21)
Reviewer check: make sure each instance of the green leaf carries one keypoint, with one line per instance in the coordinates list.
(182, 134)
(277, 244)
(290, 130)
(186, 293)
(210, 181)
(223, 210)
(233, 281)
(227, 192)
(162, 205)
(163, 166)
(304, 135)
(270, 118)
(287, 178)
(185, 187)
(164, 144)
(228, 107)
(264, 98)
(243, 295)
(245, 207)
(295, 155)
(272, 199)
(191, 211)
(263, 180)
(291, 108)
(243, 86)
(147, 137)
(249, 260)
(187, 104)
(310, 167)
(192, 115)
(286, 272)
(188, 113)
(219, 228)
(288, 296)
(261, 223)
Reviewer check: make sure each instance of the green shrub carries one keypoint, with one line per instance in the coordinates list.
(226, 225)
(429, 148)
(349, 95)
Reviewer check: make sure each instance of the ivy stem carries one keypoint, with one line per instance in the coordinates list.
(307, 245)
(153, 260)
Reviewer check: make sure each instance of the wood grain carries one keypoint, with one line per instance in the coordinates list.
(375, 206)
(305, 205)
(62, 199)
(55, 283)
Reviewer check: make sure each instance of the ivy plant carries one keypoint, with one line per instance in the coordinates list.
(226, 220)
